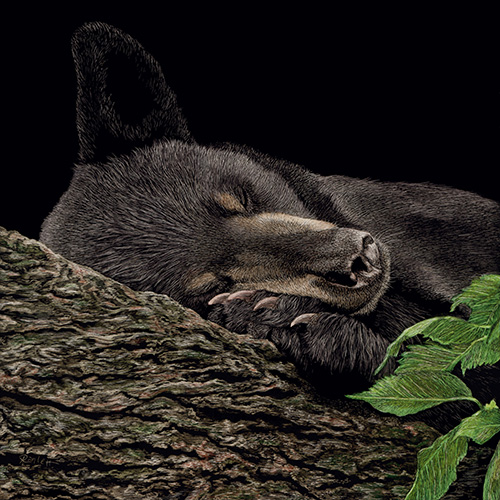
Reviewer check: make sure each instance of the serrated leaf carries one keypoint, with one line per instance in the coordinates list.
(435, 357)
(494, 335)
(430, 357)
(409, 393)
(491, 490)
(446, 330)
(450, 330)
(481, 426)
(483, 297)
(436, 467)
(480, 353)
(394, 347)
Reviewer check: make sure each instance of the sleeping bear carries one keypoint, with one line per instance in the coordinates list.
(331, 269)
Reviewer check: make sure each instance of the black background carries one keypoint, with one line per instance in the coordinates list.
(395, 95)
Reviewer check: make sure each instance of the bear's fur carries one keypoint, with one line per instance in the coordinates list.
(220, 228)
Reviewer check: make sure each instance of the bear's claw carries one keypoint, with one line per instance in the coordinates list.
(219, 299)
(303, 318)
(245, 295)
(222, 298)
(267, 303)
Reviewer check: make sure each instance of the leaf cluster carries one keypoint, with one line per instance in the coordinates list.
(424, 379)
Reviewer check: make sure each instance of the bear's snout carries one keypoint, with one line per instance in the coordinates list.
(345, 257)
(344, 267)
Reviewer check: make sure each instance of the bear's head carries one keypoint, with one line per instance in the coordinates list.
(152, 209)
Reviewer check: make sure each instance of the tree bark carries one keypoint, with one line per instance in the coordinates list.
(107, 393)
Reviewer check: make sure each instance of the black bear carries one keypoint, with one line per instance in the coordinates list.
(331, 269)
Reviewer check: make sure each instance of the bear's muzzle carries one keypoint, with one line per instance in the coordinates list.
(344, 267)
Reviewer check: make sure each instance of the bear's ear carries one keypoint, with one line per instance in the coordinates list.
(122, 98)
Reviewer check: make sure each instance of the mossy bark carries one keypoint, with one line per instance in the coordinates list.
(107, 393)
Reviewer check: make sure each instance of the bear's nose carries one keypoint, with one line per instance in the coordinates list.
(353, 258)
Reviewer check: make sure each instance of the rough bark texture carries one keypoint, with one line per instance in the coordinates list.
(108, 393)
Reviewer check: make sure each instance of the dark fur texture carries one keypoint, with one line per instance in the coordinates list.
(149, 207)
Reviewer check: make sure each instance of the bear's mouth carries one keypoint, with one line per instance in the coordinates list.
(362, 272)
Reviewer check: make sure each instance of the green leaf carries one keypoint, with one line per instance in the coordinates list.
(481, 352)
(481, 426)
(437, 467)
(483, 297)
(491, 490)
(446, 330)
(430, 356)
(394, 348)
(409, 393)
(494, 336)
(450, 330)
(437, 464)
